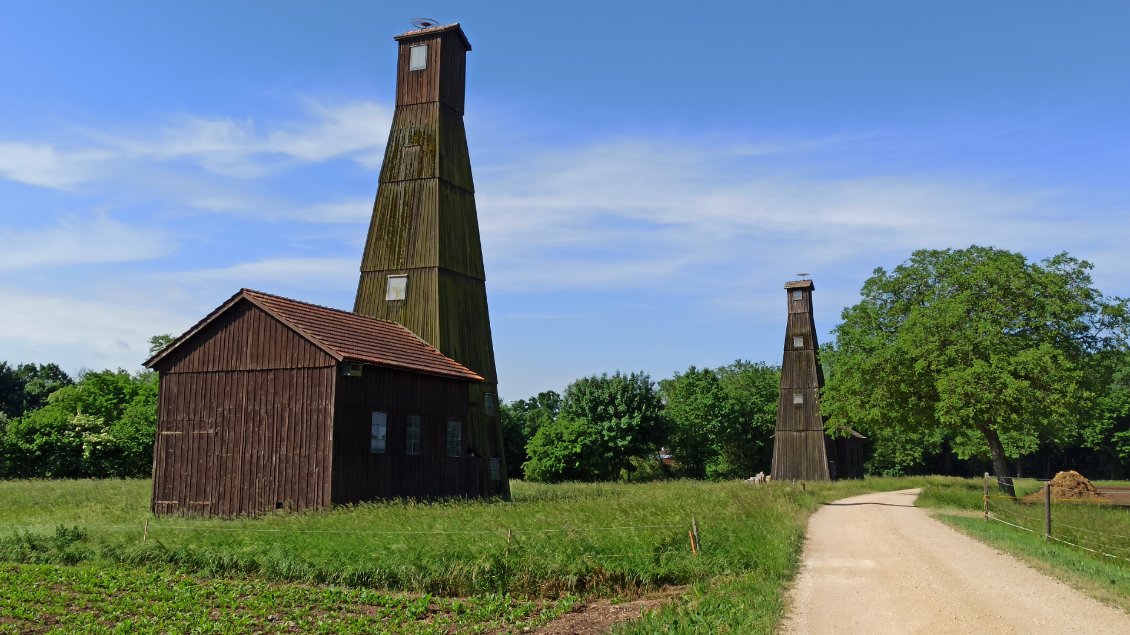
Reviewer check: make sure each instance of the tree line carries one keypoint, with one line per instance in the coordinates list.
(955, 361)
(98, 424)
(708, 423)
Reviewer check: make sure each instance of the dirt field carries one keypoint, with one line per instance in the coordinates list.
(1117, 495)
(877, 564)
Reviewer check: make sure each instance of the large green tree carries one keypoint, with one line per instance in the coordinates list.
(702, 414)
(980, 344)
(606, 420)
(521, 420)
(755, 388)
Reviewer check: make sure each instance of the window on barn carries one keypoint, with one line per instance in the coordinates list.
(378, 433)
(490, 403)
(412, 435)
(495, 470)
(798, 341)
(418, 57)
(798, 398)
(798, 294)
(397, 288)
(454, 437)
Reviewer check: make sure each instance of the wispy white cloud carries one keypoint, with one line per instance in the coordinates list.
(243, 149)
(81, 333)
(316, 273)
(44, 165)
(641, 214)
(77, 240)
(229, 147)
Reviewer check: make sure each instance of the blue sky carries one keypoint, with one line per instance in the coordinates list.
(647, 176)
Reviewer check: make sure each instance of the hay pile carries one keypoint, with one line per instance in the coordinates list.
(1069, 484)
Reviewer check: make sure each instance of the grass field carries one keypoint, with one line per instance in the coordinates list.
(489, 566)
(547, 545)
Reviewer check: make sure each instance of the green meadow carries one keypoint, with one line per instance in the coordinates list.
(87, 556)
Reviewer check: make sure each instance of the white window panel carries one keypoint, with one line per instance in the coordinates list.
(397, 288)
(418, 57)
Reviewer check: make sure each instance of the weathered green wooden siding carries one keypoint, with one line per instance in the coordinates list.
(425, 225)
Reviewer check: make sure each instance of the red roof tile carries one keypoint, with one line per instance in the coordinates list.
(344, 335)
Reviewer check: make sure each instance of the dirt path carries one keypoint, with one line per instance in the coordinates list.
(877, 564)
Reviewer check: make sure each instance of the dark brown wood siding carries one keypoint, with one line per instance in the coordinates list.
(800, 447)
(361, 475)
(444, 79)
(244, 421)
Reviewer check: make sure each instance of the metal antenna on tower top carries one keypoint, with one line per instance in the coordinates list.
(424, 23)
(803, 275)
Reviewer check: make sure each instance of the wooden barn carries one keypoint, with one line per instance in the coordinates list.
(423, 260)
(270, 403)
(801, 449)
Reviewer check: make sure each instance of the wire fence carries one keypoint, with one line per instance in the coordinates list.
(1025, 514)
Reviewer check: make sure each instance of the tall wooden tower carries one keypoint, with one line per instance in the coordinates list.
(423, 262)
(800, 447)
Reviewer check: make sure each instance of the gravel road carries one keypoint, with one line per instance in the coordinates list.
(877, 564)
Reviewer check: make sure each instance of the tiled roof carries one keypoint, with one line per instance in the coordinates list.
(346, 336)
(800, 284)
(435, 30)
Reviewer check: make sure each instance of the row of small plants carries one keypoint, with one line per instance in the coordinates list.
(101, 598)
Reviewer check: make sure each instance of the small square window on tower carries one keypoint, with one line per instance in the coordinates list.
(797, 295)
(798, 341)
(397, 288)
(418, 57)
(798, 398)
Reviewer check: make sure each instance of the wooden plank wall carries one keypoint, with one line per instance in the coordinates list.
(444, 80)
(244, 420)
(360, 475)
(800, 447)
(425, 225)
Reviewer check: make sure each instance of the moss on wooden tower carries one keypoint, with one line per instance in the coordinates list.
(423, 262)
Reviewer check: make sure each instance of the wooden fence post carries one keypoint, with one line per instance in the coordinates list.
(985, 498)
(1047, 511)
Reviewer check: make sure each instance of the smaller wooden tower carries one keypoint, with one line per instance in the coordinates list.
(800, 447)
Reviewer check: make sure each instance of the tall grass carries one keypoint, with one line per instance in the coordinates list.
(549, 541)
